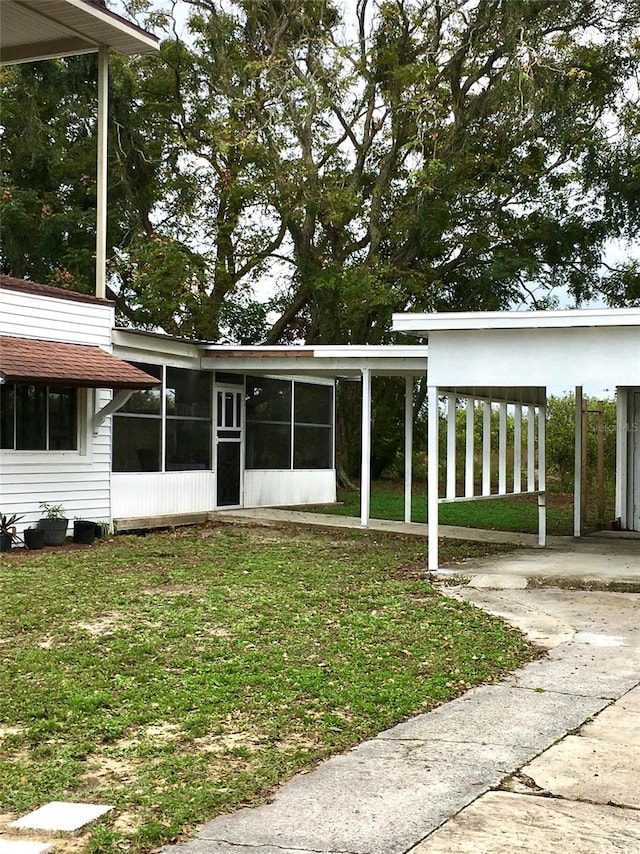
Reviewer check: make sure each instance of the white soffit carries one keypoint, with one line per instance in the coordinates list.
(421, 324)
(31, 30)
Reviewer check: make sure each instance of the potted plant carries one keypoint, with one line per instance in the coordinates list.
(53, 523)
(84, 531)
(8, 531)
(33, 538)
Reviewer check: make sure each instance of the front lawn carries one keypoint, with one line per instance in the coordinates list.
(501, 514)
(182, 674)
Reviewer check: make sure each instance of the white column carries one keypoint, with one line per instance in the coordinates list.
(365, 465)
(486, 447)
(451, 446)
(531, 448)
(577, 465)
(502, 450)
(542, 477)
(469, 471)
(622, 455)
(517, 448)
(432, 476)
(408, 447)
(101, 189)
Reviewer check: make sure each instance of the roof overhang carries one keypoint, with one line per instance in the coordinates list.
(32, 30)
(416, 323)
(36, 362)
(322, 361)
(286, 360)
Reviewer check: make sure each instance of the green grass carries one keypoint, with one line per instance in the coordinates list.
(502, 514)
(183, 674)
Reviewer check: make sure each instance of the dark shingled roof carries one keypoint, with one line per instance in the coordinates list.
(31, 360)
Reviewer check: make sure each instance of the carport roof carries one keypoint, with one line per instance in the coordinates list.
(42, 29)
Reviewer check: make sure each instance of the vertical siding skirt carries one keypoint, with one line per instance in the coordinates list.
(432, 475)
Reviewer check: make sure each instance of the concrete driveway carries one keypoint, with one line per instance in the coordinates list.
(546, 760)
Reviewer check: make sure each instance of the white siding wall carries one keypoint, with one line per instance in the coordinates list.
(79, 480)
(144, 494)
(285, 487)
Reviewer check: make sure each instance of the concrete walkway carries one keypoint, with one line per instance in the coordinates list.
(547, 759)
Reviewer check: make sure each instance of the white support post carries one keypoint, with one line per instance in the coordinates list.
(408, 447)
(531, 448)
(451, 446)
(469, 472)
(365, 464)
(517, 448)
(622, 455)
(101, 188)
(502, 450)
(432, 476)
(577, 465)
(486, 447)
(542, 476)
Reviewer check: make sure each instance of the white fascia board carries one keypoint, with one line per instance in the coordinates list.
(142, 347)
(138, 39)
(421, 324)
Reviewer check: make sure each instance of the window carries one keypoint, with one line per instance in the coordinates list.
(268, 414)
(139, 441)
(137, 428)
(188, 401)
(38, 418)
(283, 415)
(313, 426)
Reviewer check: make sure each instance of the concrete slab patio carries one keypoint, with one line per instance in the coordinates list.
(410, 788)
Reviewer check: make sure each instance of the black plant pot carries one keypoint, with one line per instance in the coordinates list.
(5, 542)
(84, 532)
(55, 531)
(34, 538)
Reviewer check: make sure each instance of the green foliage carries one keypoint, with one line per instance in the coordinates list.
(455, 156)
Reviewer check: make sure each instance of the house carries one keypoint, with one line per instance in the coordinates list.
(142, 429)
(510, 359)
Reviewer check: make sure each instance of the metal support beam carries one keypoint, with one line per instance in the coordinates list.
(486, 448)
(622, 456)
(469, 473)
(542, 476)
(577, 464)
(101, 213)
(432, 475)
(365, 464)
(531, 448)
(451, 446)
(517, 448)
(502, 450)
(408, 447)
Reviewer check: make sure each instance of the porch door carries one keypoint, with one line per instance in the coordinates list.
(229, 447)
(634, 460)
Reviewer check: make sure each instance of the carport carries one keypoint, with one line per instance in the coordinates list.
(509, 359)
